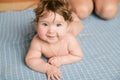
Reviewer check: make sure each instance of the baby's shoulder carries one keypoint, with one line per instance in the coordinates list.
(36, 41)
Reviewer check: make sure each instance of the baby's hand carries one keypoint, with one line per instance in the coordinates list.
(53, 73)
(56, 61)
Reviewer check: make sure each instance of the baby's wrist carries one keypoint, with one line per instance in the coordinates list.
(48, 67)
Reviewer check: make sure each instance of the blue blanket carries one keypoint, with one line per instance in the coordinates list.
(99, 41)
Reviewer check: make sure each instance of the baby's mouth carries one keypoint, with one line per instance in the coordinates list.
(51, 36)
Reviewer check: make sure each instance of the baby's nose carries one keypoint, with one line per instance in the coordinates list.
(51, 30)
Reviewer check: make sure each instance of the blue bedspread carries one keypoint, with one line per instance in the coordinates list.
(99, 40)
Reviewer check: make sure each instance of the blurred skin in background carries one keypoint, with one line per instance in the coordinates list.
(106, 9)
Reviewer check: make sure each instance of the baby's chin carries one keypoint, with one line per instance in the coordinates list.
(52, 41)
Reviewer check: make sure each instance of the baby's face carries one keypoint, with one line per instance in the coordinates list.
(52, 28)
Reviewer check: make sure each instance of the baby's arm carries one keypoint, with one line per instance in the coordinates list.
(66, 59)
(75, 54)
(34, 61)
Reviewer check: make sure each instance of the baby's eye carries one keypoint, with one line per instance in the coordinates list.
(58, 25)
(44, 24)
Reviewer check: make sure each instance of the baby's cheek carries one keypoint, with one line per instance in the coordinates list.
(42, 32)
(62, 33)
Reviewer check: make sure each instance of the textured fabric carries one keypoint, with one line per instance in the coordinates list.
(99, 41)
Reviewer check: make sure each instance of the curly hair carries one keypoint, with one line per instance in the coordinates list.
(60, 7)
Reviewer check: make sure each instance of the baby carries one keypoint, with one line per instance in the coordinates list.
(55, 38)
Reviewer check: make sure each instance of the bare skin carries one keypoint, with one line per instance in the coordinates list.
(106, 9)
(75, 27)
(82, 8)
(54, 42)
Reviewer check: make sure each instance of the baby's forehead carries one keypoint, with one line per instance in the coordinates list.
(51, 16)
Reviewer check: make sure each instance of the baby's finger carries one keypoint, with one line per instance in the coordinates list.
(48, 77)
(57, 77)
(50, 60)
(52, 77)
